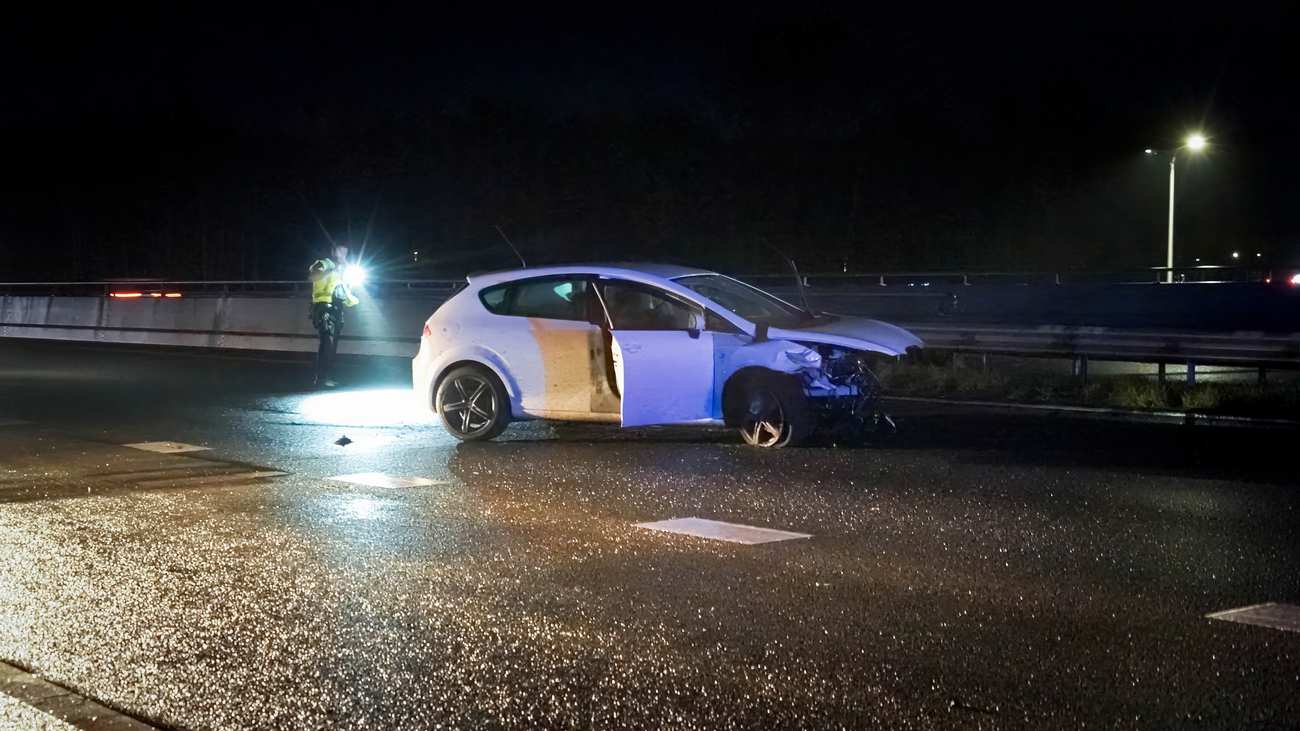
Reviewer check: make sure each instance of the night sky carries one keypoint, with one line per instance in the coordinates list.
(234, 142)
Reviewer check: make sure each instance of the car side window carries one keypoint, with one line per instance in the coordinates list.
(635, 306)
(553, 298)
(716, 323)
(495, 298)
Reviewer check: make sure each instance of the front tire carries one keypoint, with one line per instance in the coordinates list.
(473, 404)
(775, 413)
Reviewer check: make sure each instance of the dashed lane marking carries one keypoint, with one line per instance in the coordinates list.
(166, 447)
(1285, 617)
(379, 479)
(51, 706)
(719, 531)
(224, 478)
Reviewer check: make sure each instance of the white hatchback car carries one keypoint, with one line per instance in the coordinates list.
(645, 344)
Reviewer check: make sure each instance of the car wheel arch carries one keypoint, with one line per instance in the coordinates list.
(734, 388)
(491, 368)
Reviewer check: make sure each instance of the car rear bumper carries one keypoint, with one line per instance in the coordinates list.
(422, 375)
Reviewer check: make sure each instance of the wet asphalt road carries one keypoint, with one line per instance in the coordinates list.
(981, 569)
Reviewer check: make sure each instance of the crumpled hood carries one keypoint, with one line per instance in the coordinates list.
(853, 332)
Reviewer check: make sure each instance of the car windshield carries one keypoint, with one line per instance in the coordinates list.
(751, 303)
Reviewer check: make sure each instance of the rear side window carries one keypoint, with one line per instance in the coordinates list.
(552, 299)
(494, 298)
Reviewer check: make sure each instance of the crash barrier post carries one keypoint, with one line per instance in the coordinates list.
(1080, 368)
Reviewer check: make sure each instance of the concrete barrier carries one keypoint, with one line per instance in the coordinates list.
(391, 327)
(375, 327)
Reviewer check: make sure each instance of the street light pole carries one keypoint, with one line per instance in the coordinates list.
(1169, 259)
(1194, 143)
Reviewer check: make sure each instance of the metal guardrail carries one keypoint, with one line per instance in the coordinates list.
(1198, 274)
(1208, 274)
(221, 288)
(1271, 350)
(1239, 348)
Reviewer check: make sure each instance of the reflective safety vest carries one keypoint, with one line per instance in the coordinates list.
(327, 284)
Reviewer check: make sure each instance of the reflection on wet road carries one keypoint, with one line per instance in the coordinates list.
(981, 569)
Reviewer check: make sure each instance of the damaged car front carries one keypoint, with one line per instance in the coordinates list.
(801, 372)
(846, 392)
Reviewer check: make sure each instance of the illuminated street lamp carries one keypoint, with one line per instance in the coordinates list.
(1195, 142)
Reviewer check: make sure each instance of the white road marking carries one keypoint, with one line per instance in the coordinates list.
(31, 702)
(1285, 617)
(223, 478)
(379, 479)
(719, 531)
(6, 421)
(167, 447)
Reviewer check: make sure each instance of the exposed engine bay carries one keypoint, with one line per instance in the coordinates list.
(843, 389)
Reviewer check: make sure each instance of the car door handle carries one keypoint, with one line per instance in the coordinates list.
(632, 347)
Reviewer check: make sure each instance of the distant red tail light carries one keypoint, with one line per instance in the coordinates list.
(140, 295)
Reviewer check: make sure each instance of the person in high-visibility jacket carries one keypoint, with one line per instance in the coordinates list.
(330, 294)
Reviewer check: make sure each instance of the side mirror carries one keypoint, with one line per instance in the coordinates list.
(694, 332)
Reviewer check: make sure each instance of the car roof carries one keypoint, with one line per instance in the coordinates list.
(636, 270)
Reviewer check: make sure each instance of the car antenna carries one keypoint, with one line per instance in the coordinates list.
(522, 264)
(798, 280)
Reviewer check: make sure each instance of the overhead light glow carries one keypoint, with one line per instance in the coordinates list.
(1236, 255)
(1196, 142)
(1295, 280)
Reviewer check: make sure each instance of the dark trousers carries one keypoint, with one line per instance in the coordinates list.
(329, 326)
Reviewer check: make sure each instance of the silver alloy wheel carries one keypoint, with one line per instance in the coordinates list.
(764, 424)
(469, 405)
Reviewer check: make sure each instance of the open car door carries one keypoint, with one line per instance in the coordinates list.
(665, 377)
(663, 361)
